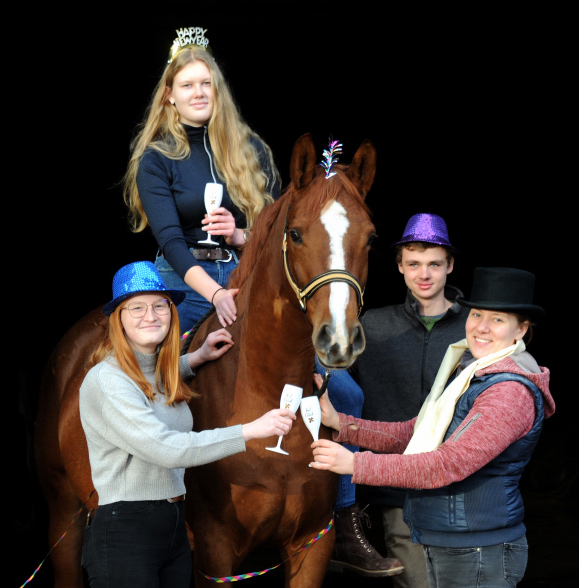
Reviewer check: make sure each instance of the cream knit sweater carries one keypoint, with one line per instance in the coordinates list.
(139, 449)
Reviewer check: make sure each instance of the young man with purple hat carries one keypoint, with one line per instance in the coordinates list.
(415, 333)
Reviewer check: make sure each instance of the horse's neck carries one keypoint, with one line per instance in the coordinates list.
(273, 323)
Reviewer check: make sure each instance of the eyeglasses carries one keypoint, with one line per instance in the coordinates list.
(139, 309)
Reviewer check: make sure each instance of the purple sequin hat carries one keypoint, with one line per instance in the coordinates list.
(427, 228)
(139, 276)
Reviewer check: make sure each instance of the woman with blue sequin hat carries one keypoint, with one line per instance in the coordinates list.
(138, 428)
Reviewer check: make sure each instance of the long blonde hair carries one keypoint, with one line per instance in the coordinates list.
(236, 158)
(167, 372)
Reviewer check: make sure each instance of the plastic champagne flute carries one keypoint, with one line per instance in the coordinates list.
(290, 399)
(312, 414)
(213, 196)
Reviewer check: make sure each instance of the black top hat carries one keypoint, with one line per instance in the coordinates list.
(504, 289)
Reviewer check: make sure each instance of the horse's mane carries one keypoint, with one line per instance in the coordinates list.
(259, 234)
(320, 192)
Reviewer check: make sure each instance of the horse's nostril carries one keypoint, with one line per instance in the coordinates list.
(324, 338)
(358, 341)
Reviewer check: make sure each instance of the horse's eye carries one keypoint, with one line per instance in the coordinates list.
(371, 238)
(295, 236)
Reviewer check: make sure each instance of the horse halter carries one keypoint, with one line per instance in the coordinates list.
(304, 294)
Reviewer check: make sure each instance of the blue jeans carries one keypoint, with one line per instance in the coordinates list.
(137, 544)
(195, 306)
(494, 566)
(348, 398)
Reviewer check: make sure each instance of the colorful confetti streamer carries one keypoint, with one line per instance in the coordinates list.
(61, 537)
(226, 579)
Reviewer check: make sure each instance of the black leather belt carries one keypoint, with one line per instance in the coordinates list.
(217, 253)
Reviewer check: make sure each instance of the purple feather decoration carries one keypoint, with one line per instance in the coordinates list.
(330, 157)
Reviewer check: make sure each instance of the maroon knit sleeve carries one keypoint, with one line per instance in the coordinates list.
(376, 435)
(500, 415)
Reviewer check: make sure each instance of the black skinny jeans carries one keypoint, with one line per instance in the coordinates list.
(138, 544)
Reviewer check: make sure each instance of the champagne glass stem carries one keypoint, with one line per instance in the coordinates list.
(278, 448)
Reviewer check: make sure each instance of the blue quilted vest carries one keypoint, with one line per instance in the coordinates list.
(486, 508)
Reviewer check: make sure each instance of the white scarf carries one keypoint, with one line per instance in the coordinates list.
(437, 411)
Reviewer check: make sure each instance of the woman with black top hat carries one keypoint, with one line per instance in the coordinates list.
(464, 454)
(138, 427)
(193, 144)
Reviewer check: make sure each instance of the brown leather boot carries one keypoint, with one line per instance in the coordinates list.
(352, 550)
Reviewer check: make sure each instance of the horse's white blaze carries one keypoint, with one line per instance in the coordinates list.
(336, 222)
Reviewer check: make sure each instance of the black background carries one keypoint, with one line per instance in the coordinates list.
(467, 104)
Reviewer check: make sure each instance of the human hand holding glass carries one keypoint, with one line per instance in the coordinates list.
(329, 417)
(213, 196)
(290, 399)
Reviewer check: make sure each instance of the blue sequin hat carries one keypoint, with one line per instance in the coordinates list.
(427, 228)
(139, 276)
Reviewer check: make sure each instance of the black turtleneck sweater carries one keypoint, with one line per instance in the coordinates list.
(172, 194)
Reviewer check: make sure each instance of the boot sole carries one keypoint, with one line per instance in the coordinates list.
(339, 566)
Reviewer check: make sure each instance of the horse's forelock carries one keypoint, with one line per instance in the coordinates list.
(321, 191)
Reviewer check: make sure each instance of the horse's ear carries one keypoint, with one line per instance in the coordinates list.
(303, 162)
(362, 170)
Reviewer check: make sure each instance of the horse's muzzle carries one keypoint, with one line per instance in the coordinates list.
(333, 352)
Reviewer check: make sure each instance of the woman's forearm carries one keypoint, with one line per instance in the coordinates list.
(237, 239)
(200, 281)
(375, 435)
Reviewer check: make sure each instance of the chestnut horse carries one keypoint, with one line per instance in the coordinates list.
(301, 279)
